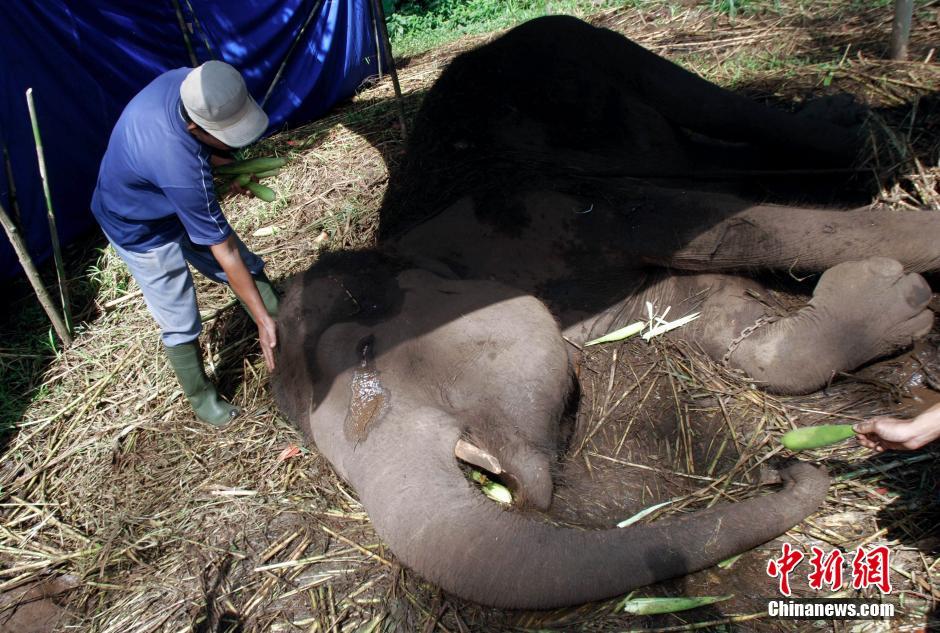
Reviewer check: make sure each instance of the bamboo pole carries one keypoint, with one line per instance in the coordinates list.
(198, 27)
(22, 254)
(378, 42)
(290, 51)
(901, 28)
(379, 13)
(193, 60)
(53, 232)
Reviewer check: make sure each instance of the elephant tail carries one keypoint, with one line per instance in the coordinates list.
(436, 523)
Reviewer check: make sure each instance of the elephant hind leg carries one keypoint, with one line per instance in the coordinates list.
(860, 311)
(710, 232)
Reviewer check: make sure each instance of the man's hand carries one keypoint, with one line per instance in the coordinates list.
(239, 190)
(884, 433)
(217, 160)
(267, 338)
(245, 289)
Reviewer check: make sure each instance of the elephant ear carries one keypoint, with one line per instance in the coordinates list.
(292, 380)
(345, 286)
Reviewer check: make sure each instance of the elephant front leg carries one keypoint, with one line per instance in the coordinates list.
(701, 232)
(860, 311)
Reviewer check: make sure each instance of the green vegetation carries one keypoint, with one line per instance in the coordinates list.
(418, 25)
(23, 356)
(731, 7)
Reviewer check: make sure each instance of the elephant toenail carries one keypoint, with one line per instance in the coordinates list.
(885, 266)
(920, 294)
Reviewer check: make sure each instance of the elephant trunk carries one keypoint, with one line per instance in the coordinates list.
(437, 524)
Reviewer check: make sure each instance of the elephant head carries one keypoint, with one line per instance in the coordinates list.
(391, 371)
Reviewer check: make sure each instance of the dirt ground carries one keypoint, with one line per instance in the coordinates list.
(138, 519)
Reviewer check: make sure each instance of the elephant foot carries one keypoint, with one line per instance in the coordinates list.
(860, 311)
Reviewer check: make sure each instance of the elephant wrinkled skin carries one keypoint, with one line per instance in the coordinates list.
(548, 191)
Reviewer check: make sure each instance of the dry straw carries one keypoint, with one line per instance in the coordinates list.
(169, 525)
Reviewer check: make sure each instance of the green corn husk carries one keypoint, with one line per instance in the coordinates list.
(260, 191)
(252, 165)
(240, 179)
(491, 489)
(652, 606)
(816, 436)
(619, 335)
(642, 513)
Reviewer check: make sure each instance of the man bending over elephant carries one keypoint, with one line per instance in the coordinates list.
(156, 204)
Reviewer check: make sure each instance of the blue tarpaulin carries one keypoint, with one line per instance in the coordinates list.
(85, 60)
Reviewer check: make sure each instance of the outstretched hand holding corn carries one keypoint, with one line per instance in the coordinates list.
(885, 433)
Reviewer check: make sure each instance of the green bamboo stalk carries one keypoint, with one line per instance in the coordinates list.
(54, 234)
(45, 299)
(193, 60)
(198, 27)
(290, 52)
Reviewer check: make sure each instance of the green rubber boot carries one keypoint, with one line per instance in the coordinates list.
(269, 295)
(186, 361)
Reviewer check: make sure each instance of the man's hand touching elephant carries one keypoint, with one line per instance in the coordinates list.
(241, 282)
(267, 338)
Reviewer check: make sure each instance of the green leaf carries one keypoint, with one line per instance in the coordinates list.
(728, 562)
(652, 606)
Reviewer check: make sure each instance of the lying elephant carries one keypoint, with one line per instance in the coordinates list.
(457, 338)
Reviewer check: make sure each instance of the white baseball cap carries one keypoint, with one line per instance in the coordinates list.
(217, 100)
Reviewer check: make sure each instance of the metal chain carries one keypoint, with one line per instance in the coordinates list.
(746, 332)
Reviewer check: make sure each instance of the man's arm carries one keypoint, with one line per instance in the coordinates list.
(901, 435)
(243, 284)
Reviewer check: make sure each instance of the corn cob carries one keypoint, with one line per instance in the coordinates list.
(251, 166)
(816, 436)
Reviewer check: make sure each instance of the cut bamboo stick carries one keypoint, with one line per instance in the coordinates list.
(379, 13)
(901, 28)
(53, 232)
(45, 299)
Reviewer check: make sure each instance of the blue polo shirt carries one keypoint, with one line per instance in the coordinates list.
(155, 183)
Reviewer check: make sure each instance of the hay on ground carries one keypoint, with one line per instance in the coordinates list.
(168, 525)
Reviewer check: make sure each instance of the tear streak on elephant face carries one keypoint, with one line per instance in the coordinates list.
(491, 358)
